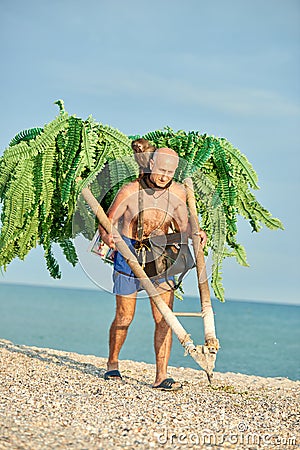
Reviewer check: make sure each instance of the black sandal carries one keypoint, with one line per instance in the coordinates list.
(169, 385)
(112, 375)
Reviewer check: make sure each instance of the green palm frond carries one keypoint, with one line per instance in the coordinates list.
(241, 164)
(17, 214)
(217, 282)
(43, 171)
(69, 251)
(26, 135)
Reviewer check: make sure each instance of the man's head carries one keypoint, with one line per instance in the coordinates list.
(163, 165)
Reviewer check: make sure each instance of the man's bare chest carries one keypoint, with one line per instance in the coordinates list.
(154, 206)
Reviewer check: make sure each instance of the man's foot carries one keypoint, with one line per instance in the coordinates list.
(112, 375)
(169, 385)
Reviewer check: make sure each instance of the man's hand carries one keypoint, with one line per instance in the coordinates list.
(107, 238)
(203, 237)
(201, 233)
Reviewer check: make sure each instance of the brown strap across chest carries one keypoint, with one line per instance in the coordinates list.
(140, 224)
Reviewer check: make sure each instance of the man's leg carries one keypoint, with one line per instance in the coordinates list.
(125, 308)
(162, 335)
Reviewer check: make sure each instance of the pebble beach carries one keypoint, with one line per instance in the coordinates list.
(52, 399)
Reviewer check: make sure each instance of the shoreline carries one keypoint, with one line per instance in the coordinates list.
(58, 399)
(69, 287)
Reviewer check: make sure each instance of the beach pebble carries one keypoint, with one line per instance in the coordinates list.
(50, 399)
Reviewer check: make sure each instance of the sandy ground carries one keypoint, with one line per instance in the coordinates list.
(51, 399)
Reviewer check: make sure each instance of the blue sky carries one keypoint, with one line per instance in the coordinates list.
(229, 69)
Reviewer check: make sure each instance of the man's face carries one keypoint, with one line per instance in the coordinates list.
(163, 168)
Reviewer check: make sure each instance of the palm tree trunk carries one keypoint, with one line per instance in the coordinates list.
(207, 312)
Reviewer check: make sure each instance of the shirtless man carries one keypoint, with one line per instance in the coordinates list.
(164, 201)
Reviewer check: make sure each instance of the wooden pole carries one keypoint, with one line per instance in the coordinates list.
(199, 353)
(206, 308)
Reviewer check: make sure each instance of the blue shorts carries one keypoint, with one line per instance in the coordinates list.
(125, 282)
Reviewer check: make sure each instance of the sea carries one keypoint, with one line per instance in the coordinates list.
(256, 338)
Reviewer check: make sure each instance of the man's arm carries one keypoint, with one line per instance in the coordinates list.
(181, 216)
(180, 210)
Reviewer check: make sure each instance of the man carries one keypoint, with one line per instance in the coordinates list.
(164, 202)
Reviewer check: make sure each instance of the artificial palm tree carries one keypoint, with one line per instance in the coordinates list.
(44, 171)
